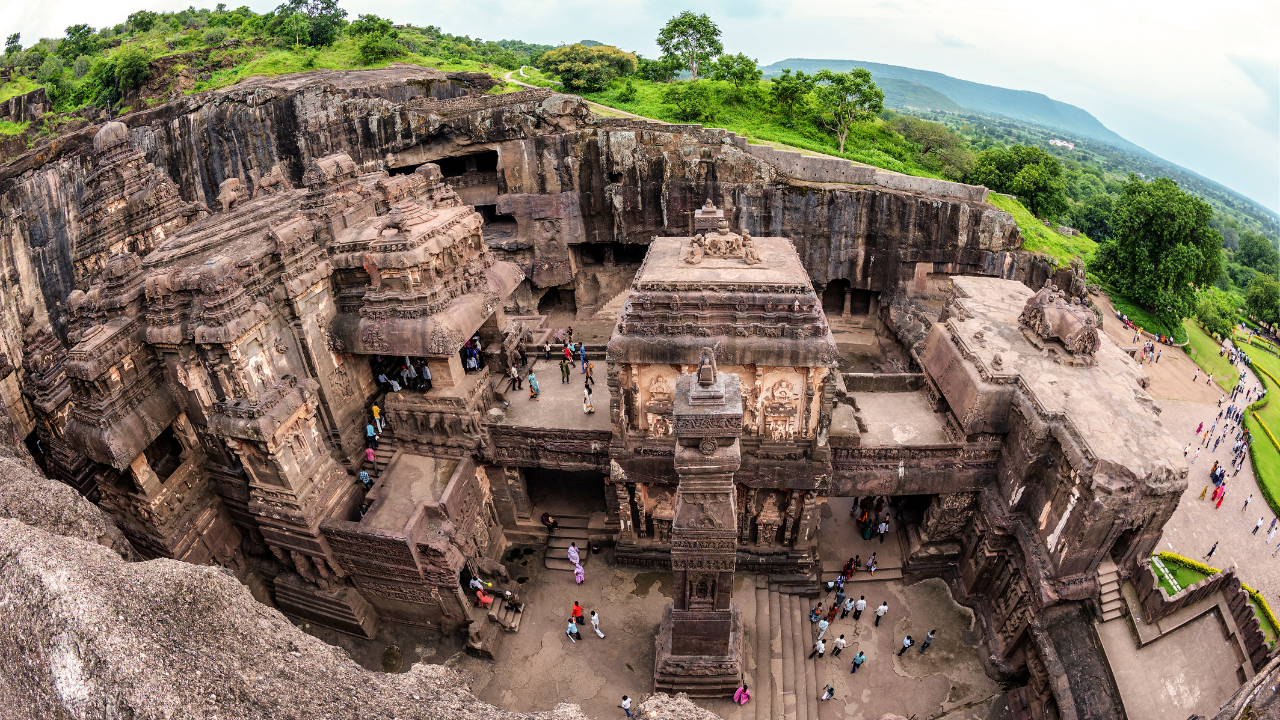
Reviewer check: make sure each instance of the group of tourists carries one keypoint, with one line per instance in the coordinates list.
(396, 373)
(1137, 330)
(872, 516)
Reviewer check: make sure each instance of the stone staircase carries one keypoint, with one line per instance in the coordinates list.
(613, 308)
(505, 617)
(1109, 584)
(382, 458)
(890, 569)
(786, 681)
(573, 528)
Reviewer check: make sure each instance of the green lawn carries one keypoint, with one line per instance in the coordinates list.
(1146, 320)
(1268, 631)
(17, 86)
(1204, 351)
(1038, 238)
(1265, 457)
(1185, 576)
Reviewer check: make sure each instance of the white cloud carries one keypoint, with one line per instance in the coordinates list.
(1194, 82)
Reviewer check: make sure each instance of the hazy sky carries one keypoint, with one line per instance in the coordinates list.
(1197, 83)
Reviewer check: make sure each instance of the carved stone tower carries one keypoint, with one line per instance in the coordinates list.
(699, 642)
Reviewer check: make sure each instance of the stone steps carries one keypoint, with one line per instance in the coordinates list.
(613, 308)
(779, 613)
(803, 636)
(506, 618)
(573, 528)
(762, 680)
(1109, 585)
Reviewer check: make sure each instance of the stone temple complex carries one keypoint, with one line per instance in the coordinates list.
(204, 301)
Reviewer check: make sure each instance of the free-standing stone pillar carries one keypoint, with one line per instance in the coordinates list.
(700, 641)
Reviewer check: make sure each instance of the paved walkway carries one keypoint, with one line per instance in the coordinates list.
(1196, 525)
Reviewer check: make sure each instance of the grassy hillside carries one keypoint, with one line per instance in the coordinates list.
(1038, 238)
(1020, 104)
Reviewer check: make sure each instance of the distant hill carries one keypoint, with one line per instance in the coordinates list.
(914, 96)
(1017, 104)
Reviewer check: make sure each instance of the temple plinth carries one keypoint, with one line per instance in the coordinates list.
(700, 640)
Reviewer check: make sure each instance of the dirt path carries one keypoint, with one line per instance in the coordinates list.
(1171, 376)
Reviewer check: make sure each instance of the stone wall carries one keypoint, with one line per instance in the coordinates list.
(883, 382)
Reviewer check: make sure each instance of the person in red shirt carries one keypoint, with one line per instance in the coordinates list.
(576, 613)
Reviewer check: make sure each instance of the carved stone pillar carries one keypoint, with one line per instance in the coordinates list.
(700, 639)
(744, 516)
(848, 303)
(626, 520)
(809, 519)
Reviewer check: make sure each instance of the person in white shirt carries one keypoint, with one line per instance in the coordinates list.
(822, 627)
(839, 644)
(859, 606)
(595, 624)
(849, 605)
(818, 649)
(626, 705)
(906, 643)
(880, 611)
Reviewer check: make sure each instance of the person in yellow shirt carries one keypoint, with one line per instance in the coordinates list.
(377, 417)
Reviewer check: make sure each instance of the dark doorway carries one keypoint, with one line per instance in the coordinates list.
(164, 454)
(861, 302)
(833, 297)
(556, 300)
(565, 492)
(37, 451)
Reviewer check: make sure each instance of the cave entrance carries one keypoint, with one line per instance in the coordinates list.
(833, 297)
(557, 301)
(499, 229)
(457, 166)
(861, 302)
(164, 454)
(37, 451)
(611, 253)
(561, 492)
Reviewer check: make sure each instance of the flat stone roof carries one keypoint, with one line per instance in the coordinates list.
(559, 406)
(1117, 419)
(409, 481)
(664, 266)
(900, 418)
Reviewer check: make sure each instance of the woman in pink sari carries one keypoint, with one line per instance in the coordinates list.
(578, 575)
(742, 695)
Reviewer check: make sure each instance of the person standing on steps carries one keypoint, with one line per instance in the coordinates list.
(839, 644)
(858, 607)
(377, 416)
(372, 435)
(907, 642)
(372, 458)
(1212, 550)
(573, 554)
(928, 640)
(884, 608)
(857, 661)
(819, 648)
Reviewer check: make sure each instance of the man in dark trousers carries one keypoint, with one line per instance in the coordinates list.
(906, 643)
(928, 640)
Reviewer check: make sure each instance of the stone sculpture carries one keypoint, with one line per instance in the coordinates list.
(1048, 317)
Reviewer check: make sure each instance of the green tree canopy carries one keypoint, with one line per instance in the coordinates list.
(1093, 216)
(845, 99)
(587, 68)
(1030, 173)
(739, 70)
(1216, 310)
(691, 39)
(324, 21)
(13, 44)
(1257, 252)
(1263, 299)
(143, 20)
(79, 41)
(1161, 248)
(297, 27)
(940, 149)
(790, 93)
(661, 70)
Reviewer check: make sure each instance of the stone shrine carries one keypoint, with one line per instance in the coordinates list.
(699, 643)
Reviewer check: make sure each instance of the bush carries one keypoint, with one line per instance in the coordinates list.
(214, 36)
(1216, 310)
(588, 68)
(143, 20)
(695, 101)
(376, 47)
(628, 93)
(81, 66)
(50, 71)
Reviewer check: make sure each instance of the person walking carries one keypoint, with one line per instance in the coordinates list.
(546, 351)
(534, 390)
(928, 640)
(1270, 535)
(1259, 525)
(371, 435)
(828, 693)
(572, 631)
(377, 417)
(1186, 450)
(884, 608)
(513, 378)
(858, 607)
(882, 530)
(839, 644)
(582, 356)
(840, 596)
(819, 648)
(372, 458)
(857, 661)
(1221, 496)
(822, 627)
(595, 624)
(907, 642)
(849, 605)
(1197, 456)
(573, 554)
(576, 612)
(564, 371)
(1196, 376)
(1212, 550)
(1246, 502)
(626, 705)
(587, 406)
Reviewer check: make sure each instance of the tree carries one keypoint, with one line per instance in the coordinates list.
(130, 69)
(13, 44)
(79, 41)
(1161, 248)
(1216, 310)
(694, 100)
(738, 70)
(1032, 174)
(790, 93)
(661, 70)
(588, 69)
(940, 149)
(297, 26)
(845, 99)
(1257, 252)
(368, 25)
(692, 40)
(1263, 299)
(325, 20)
(1093, 216)
(143, 20)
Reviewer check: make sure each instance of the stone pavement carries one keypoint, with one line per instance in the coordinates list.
(1189, 671)
(1196, 525)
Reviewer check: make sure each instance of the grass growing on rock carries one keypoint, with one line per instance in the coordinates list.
(1038, 238)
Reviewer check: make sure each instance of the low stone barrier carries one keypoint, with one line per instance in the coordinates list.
(882, 382)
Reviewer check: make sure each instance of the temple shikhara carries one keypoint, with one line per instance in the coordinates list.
(205, 358)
